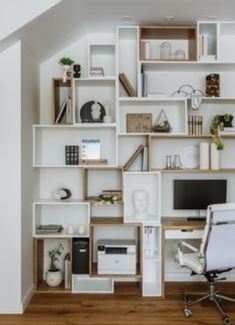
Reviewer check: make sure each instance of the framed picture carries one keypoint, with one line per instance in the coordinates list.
(139, 123)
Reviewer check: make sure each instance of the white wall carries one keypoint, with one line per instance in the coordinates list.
(10, 176)
(15, 14)
(29, 114)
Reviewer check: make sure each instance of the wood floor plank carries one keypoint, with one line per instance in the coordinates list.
(126, 306)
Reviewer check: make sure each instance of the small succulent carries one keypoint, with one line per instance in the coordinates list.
(66, 61)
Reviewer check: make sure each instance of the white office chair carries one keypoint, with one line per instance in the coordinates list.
(215, 256)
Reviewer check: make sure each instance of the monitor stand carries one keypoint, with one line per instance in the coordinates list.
(198, 217)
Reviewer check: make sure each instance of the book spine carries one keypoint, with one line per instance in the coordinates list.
(67, 155)
(190, 125)
(76, 155)
(193, 125)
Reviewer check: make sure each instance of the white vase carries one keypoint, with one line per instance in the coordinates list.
(54, 278)
(66, 68)
(215, 157)
(204, 155)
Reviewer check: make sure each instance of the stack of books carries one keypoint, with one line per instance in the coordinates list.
(96, 72)
(71, 155)
(195, 125)
(116, 195)
(228, 130)
(49, 229)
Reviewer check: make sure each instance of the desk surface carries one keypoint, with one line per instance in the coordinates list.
(173, 223)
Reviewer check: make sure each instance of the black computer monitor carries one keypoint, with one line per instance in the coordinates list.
(198, 194)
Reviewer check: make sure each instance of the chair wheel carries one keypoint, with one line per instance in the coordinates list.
(187, 312)
(227, 320)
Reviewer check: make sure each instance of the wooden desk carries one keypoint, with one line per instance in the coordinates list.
(178, 228)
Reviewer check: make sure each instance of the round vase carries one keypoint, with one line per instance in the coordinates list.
(54, 278)
(215, 157)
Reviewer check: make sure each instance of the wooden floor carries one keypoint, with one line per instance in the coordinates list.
(126, 307)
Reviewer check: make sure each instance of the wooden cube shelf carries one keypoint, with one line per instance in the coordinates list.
(181, 38)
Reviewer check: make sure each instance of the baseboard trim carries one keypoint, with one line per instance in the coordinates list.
(27, 298)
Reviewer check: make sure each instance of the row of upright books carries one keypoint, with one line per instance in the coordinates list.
(195, 123)
(71, 155)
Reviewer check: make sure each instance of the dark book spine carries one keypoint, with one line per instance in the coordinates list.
(76, 155)
(67, 155)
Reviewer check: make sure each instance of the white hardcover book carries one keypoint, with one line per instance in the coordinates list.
(90, 149)
(66, 274)
(69, 111)
(205, 45)
(145, 159)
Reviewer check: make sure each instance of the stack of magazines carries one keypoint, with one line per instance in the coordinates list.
(49, 229)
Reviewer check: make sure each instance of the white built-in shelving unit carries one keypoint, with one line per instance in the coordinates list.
(165, 77)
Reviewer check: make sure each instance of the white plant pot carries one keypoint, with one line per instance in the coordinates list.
(215, 157)
(54, 279)
(65, 68)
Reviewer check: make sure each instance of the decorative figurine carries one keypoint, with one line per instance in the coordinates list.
(77, 71)
(213, 85)
(95, 111)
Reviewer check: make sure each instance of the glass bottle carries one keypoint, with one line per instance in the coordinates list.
(165, 51)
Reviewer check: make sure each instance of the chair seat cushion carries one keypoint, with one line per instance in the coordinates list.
(194, 262)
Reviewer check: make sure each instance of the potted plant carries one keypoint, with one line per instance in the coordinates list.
(66, 64)
(54, 276)
(217, 125)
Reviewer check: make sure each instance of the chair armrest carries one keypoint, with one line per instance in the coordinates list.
(180, 251)
(185, 244)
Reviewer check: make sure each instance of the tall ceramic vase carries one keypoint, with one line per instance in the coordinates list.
(65, 68)
(215, 157)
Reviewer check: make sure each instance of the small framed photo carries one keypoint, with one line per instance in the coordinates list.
(139, 123)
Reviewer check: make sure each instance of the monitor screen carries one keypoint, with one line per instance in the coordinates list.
(198, 194)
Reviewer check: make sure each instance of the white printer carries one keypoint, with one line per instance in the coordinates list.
(116, 257)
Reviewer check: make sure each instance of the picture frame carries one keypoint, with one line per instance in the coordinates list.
(139, 123)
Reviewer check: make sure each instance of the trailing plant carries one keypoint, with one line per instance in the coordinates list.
(217, 125)
(54, 255)
(66, 61)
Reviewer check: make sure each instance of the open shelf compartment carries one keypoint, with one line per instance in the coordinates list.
(50, 142)
(86, 284)
(63, 213)
(102, 56)
(180, 38)
(142, 197)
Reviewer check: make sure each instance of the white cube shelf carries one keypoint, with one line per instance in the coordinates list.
(50, 142)
(175, 109)
(227, 41)
(151, 285)
(101, 90)
(62, 213)
(137, 185)
(102, 55)
(85, 284)
(128, 55)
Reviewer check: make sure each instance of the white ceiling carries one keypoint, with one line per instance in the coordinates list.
(71, 19)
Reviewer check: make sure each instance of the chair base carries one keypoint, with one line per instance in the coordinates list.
(212, 295)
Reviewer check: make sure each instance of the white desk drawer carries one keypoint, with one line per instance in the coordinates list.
(183, 234)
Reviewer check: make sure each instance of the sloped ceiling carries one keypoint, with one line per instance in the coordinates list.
(71, 19)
